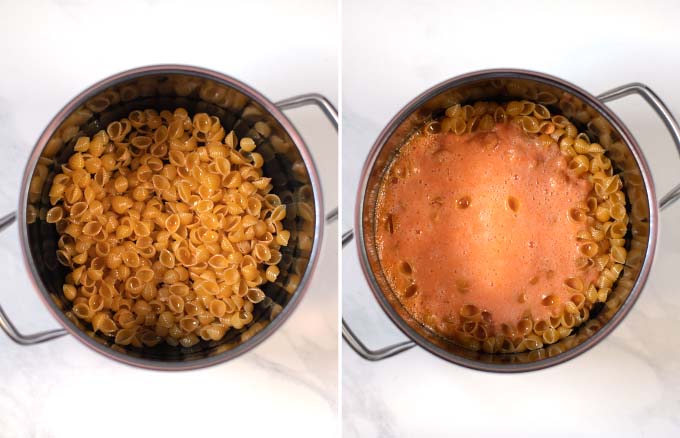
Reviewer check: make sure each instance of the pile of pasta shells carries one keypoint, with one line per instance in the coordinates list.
(169, 229)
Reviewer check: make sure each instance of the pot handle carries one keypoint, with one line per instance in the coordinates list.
(355, 343)
(5, 323)
(311, 99)
(329, 111)
(664, 113)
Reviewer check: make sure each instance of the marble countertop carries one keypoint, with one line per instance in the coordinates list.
(52, 50)
(627, 386)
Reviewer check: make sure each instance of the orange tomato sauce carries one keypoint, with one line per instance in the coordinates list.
(480, 219)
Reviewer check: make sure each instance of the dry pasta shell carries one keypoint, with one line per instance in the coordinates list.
(218, 261)
(54, 215)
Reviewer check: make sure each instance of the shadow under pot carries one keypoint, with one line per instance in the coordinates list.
(588, 114)
(239, 108)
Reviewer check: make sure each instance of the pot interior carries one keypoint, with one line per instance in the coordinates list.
(589, 116)
(238, 108)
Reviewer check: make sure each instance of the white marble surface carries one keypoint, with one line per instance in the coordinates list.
(629, 385)
(52, 50)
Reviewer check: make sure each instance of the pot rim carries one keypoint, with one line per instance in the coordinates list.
(228, 81)
(505, 73)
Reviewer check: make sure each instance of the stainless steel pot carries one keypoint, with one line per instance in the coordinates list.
(239, 107)
(589, 114)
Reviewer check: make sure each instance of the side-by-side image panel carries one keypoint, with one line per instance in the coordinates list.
(170, 257)
(501, 211)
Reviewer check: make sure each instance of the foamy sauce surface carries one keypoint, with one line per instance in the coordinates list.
(480, 219)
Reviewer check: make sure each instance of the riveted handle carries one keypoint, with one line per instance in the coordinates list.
(662, 111)
(6, 323)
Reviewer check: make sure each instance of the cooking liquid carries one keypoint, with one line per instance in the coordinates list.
(480, 219)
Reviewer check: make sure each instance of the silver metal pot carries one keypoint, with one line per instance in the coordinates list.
(239, 107)
(589, 114)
